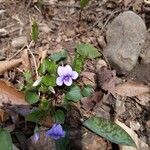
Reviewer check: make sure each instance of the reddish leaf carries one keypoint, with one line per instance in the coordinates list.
(9, 94)
(88, 103)
(107, 79)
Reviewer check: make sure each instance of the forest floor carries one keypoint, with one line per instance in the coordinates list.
(62, 25)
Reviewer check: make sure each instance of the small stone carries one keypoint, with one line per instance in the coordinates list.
(70, 33)
(125, 37)
(101, 41)
(148, 123)
(19, 42)
(88, 78)
(45, 28)
(100, 63)
(3, 32)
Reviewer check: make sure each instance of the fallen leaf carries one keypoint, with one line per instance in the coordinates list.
(131, 89)
(139, 143)
(5, 65)
(88, 103)
(9, 94)
(107, 79)
(3, 116)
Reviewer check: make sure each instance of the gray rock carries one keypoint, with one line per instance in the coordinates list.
(125, 37)
(145, 53)
(19, 42)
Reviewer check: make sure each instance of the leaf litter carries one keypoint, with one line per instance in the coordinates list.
(107, 83)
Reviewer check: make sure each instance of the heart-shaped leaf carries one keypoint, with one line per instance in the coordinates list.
(31, 97)
(109, 130)
(59, 116)
(87, 51)
(74, 94)
(59, 56)
(5, 140)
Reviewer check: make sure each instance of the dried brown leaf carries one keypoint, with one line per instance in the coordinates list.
(26, 60)
(131, 89)
(8, 94)
(107, 79)
(5, 65)
(88, 103)
(3, 116)
(139, 143)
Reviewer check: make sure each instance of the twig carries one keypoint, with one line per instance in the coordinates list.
(61, 20)
(16, 53)
(69, 6)
(35, 64)
(108, 19)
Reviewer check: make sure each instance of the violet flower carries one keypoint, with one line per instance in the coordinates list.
(66, 75)
(36, 137)
(56, 132)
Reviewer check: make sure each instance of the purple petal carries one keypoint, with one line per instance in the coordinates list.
(61, 71)
(68, 69)
(36, 137)
(56, 132)
(59, 81)
(74, 75)
(68, 81)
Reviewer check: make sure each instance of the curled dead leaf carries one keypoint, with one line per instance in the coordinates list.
(131, 89)
(9, 94)
(5, 65)
(88, 103)
(107, 79)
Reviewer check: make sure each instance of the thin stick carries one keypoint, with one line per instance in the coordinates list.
(16, 53)
(35, 64)
(106, 22)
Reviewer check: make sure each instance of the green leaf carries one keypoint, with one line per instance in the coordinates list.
(84, 3)
(87, 91)
(87, 51)
(62, 143)
(44, 105)
(42, 68)
(78, 63)
(5, 140)
(74, 94)
(48, 66)
(59, 56)
(49, 80)
(51, 66)
(35, 116)
(59, 116)
(35, 31)
(28, 77)
(31, 97)
(109, 130)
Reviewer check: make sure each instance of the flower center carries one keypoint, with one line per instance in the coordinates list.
(67, 77)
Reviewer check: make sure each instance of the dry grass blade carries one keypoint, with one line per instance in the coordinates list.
(131, 89)
(26, 60)
(5, 65)
(9, 94)
(139, 143)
